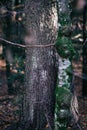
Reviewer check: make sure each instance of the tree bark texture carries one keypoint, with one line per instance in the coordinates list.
(41, 64)
(84, 89)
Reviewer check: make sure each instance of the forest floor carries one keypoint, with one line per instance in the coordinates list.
(83, 112)
(9, 107)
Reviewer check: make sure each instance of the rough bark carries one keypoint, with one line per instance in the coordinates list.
(84, 88)
(41, 65)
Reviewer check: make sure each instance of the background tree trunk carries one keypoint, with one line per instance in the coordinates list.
(84, 88)
(8, 49)
(41, 64)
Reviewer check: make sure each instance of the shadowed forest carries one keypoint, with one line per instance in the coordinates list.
(43, 64)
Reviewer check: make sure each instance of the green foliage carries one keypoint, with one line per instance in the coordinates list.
(65, 47)
(62, 112)
(63, 19)
(63, 96)
(64, 44)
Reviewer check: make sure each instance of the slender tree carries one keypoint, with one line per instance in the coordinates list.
(41, 64)
(8, 30)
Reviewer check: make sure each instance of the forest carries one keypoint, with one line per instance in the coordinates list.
(43, 65)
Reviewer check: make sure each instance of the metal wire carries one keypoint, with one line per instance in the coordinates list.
(26, 46)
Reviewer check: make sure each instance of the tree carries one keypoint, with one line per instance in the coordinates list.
(8, 31)
(84, 88)
(79, 80)
(12, 30)
(41, 64)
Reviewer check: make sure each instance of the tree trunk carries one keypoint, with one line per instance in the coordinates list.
(41, 64)
(8, 50)
(84, 88)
